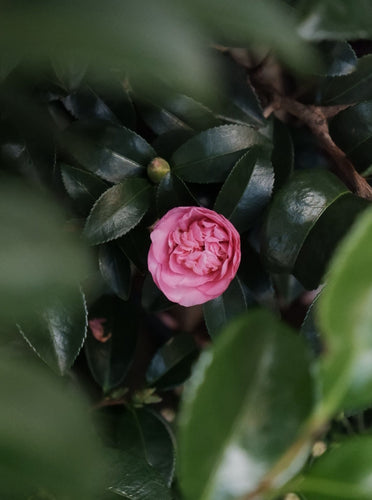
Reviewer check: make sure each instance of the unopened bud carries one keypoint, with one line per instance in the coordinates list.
(157, 169)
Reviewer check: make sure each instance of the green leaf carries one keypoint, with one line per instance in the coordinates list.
(345, 321)
(39, 257)
(220, 311)
(70, 73)
(351, 130)
(247, 190)
(109, 151)
(110, 357)
(324, 237)
(172, 192)
(343, 473)
(351, 88)
(172, 363)
(210, 155)
(40, 420)
(118, 210)
(142, 433)
(341, 20)
(115, 269)
(238, 382)
(85, 104)
(282, 156)
(135, 479)
(83, 187)
(294, 211)
(166, 144)
(136, 245)
(57, 331)
(153, 299)
(339, 58)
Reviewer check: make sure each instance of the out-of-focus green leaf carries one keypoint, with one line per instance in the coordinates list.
(282, 156)
(342, 473)
(253, 425)
(135, 245)
(247, 190)
(118, 210)
(39, 257)
(220, 311)
(351, 130)
(39, 422)
(153, 299)
(345, 319)
(172, 363)
(324, 237)
(115, 269)
(349, 89)
(57, 331)
(70, 72)
(109, 151)
(83, 187)
(133, 478)
(210, 155)
(172, 192)
(335, 20)
(294, 211)
(110, 352)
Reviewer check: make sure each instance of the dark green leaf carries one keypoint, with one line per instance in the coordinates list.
(110, 355)
(343, 473)
(172, 363)
(253, 425)
(117, 96)
(282, 156)
(84, 104)
(153, 300)
(341, 20)
(172, 192)
(38, 256)
(177, 112)
(351, 130)
(115, 269)
(135, 245)
(247, 190)
(351, 88)
(210, 155)
(167, 144)
(111, 152)
(70, 72)
(57, 331)
(310, 328)
(118, 210)
(220, 311)
(294, 211)
(345, 321)
(324, 237)
(82, 186)
(135, 479)
(339, 58)
(39, 421)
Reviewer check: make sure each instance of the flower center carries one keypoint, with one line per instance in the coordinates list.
(202, 247)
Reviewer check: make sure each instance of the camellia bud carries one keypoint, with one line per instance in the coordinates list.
(157, 169)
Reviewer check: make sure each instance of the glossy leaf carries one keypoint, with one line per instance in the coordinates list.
(282, 156)
(220, 311)
(83, 187)
(172, 192)
(57, 331)
(166, 144)
(135, 245)
(343, 473)
(228, 455)
(172, 363)
(109, 151)
(339, 58)
(247, 190)
(324, 237)
(341, 20)
(345, 320)
(118, 210)
(294, 211)
(38, 256)
(351, 130)
(39, 421)
(115, 269)
(135, 479)
(210, 155)
(85, 104)
(352, 88)
(110, 356)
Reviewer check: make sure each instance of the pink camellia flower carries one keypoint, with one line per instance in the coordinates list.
(194, 255)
